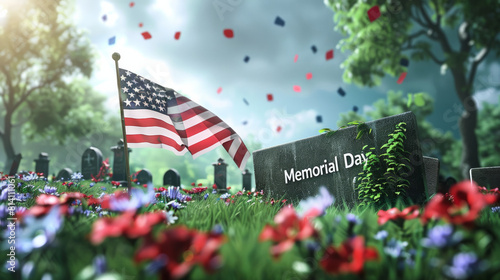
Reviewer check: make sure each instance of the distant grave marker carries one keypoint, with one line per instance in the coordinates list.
(488, 177)
(297, 170)
(64, 174)
(42, 164)
(247, 180)
(172, 178)
(119, 163)
(91, 162)
(144, 177)
(220, 174)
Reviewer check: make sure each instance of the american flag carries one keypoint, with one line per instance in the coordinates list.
(159, 117)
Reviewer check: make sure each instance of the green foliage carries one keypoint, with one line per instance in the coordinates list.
(361, 129)
(383, 175)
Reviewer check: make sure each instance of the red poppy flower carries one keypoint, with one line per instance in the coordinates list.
(191, 247)
(192, 184)
(214, 186)
(228, 188)
(128, 224)
(348, 258)
(289, 229)
(105, 204)
(394, 214)
(200, 184)
(463, 206)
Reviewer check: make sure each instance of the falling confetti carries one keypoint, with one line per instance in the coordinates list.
(278, 129)
(246, 102)
(279, 21)
(111, 41)
(355, 108)
(401, 78)
(309, 76)
(314, 49)
(104, 17)
(373, 13)
(177, 35)
(146, 35)
(131, 4)
(245, 122)
(219, 90)
(341, 91)
(329, 55)
(269, 97)
(246, 59)
(140, 24)
(297, 88)
(419, 99)
(228, 33)
(295, 58)
(319, 119)
(404, 62)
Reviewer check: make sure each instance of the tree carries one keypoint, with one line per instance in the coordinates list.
(421, 31)
(433, 142)
(44, 63)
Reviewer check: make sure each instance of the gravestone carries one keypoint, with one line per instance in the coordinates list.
(91, 162)
(14, 164)
(172, 178)
(144, 177)
(220, 174)
(64, 174)
(297, 170)
(431, 166)
(119, 163)
(488, 177)
(247, 180)
(42, 164)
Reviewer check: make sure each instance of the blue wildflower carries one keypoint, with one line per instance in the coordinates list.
(464, 265)
(157, 264)
(224, 196)
(218, 229)
(352, 219)
(76, 176)
(30, 177)
(395, 248)
(381, 235)
(99, 263)
(495, 209)
(175, 193)
(91, 184)
(205, 196)
(48, 190)
(321, 201)
(137, 199)
(174, 204)
(170, 217)
(214, 191)
(441, 236)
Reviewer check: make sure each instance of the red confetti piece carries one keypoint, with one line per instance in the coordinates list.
(296, 88)
(373, 13)
(309, 76)
(269, 97)
(329, 55)
(146, 35)
(177, 35)
(219, 90)
(131, 4)
(402, 78)
(278, 129)
(296, 57)
(140, 24)
(228, 33)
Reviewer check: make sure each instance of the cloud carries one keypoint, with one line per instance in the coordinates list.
(489, 95)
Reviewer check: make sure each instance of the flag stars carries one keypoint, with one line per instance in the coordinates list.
(137, 103)
(153, 106)
(157, 101)
(131, 94)
(128, 73)
(145, 103)
(136, 89)
(125, 89)
(150, 99)
(148, 86)
(142, 96)
(122, 78)
(127, 102)
(129, 84)
(161, 109)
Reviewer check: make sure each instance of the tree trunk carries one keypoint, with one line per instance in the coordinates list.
(7, 141)
(467, 123)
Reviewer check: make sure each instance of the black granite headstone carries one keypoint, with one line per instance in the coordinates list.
(488, 177)
(297, 170)
(42, 164)
(220, 174)
(64, 174)
(119, 170)
(144, 177)
(247, 180)
(91, 162)
(14, 166)
(172, 178)
(431, 166)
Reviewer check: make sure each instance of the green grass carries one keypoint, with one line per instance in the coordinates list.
(70, 254)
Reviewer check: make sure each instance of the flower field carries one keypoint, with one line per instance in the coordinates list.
(80, 229)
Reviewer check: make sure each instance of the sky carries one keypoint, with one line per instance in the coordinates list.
(203, 60)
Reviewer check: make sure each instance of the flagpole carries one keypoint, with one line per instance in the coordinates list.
(116, 57)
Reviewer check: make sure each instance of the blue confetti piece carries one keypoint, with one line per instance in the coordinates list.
(314, 49)
(279, 21)
(111, 41)
(245, 122)
(319, 119)
(341, 91)
(404, 62)
(355, 108)
(247, 58)
(104, 17)
(246, 102)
